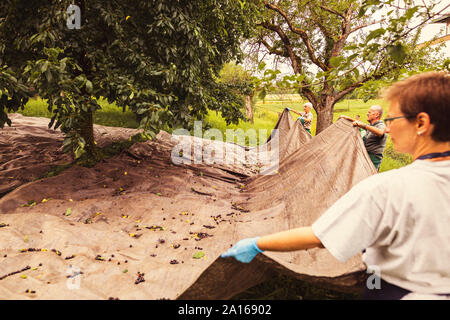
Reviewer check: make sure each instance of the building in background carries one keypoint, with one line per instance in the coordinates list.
(443, 19)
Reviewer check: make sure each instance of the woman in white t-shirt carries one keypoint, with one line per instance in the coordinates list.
(401, 218)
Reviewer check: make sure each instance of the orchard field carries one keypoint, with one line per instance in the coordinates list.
(265, 117)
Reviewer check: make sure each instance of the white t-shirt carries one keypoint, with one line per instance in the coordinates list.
(402, 218)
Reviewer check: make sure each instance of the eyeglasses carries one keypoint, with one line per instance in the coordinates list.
(388, 121)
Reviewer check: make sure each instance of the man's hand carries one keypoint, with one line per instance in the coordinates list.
(244, 250)
(358, 123)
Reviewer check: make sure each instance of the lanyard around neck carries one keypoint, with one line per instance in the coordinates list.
(434, 155)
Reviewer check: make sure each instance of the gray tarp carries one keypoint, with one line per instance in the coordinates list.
(90, 231)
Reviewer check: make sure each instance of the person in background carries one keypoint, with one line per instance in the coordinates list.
(401, 216)
(306, 117)
(375, 137)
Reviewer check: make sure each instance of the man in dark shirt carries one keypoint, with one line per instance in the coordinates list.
(375, 137)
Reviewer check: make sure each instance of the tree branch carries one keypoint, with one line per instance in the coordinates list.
(332, 11)
(329, 40)
(287, 44)
(272, 50)
(338, 45)
(366, 25)
(357, 84)
(303, 35)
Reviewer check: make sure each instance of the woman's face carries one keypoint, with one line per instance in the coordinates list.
(403, 132)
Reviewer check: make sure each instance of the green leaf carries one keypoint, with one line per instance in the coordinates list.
(68, 212)
(81, 79)
(397, 52)
(142, 111)
(261, 66)
(78, 152)
(362, 12)
(336, 61)
(48, 75)
(410, 12)
(44, 67)
(89, 87)
(29, 204)
(353, 56)
(198, 255)
(375, 34)
(351, 47)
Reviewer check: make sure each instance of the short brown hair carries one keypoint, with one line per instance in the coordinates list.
(428, 92)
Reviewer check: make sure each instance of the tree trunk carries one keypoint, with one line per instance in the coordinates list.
(86, 131)
(324, 116)
(249, 108)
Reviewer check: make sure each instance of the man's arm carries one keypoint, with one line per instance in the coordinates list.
(374, 130)
(290, 240)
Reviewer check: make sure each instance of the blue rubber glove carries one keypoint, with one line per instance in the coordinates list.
(244, 250)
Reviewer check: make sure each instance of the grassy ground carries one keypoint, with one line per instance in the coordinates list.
(110, 115)
(265, 116)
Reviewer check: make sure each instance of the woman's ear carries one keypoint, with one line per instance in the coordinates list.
(423, 124)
